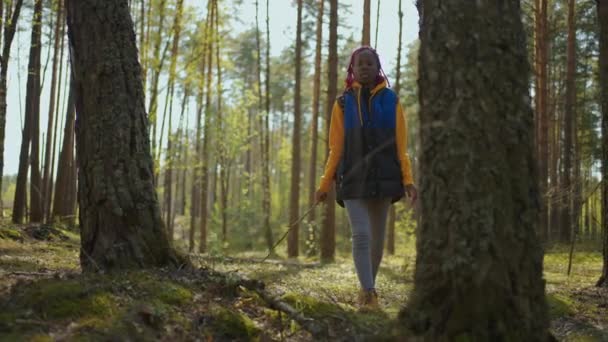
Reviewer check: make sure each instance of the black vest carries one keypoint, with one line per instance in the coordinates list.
(369, 167)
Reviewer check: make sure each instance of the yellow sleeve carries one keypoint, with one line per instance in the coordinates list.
(401, 136)
(336, 145)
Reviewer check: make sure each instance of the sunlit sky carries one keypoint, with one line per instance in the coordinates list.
(282, 34)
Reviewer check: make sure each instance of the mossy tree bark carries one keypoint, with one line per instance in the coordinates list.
(479, 267)
(602, 11)
(121, 225)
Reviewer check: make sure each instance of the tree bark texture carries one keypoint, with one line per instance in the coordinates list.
(120, 219)
(479, 263)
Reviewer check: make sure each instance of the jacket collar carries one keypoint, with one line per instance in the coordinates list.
(356, 86)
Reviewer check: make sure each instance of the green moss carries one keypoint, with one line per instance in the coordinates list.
(41, 338)
(57, 299)
(559, 305)
(10, 233)
(231, 324)
(310, 306)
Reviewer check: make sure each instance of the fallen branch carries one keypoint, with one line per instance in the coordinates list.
(317, 329)
(255, 260)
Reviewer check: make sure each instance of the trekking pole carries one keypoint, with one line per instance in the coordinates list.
(291, 226)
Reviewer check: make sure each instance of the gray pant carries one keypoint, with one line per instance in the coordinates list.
(368, 223)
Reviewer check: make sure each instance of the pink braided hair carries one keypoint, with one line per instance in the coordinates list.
(350, 75)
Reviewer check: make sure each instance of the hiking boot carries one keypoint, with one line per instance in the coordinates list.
(368, 300)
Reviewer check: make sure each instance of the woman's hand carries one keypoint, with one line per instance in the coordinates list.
(411, 192)
(320, 196)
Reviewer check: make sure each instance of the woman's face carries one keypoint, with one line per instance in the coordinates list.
(365, 68)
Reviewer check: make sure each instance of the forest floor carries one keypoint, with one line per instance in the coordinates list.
(44, 297)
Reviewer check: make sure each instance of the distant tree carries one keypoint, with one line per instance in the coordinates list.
(540, 99)
(366, 34)
(48, 154)
(316, 97)
(206, 148)
(30, 133)
(294, 203)
(569, 117)
(480, 205)
(121, 225)
(602, 11)
(328, 225)
(63, 203)
(8, 28)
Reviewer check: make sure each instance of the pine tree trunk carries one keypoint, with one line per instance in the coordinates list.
(157, 67)
(206, 138)
(223, 155)
(328, 225)
(183, 156)
(62, 77)
(47, 175)
(121, 225)
(294, 199)
(61, 204)
(365, 34)
(541, 113)
(168, 202)
(30, 128)
(602, 11)
(266, 203)
(554, 214)
(479, 206)
(33, 98)
(9, 32)
(316, 94)
(569, 113)
(195, 199)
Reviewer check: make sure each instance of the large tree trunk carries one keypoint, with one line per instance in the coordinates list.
(365, 34)
(316, 95)
(479, 262)
(602, 11)
(294, 199)
(9, 32)
(328, 225)
(121, 225)
(566, 228)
